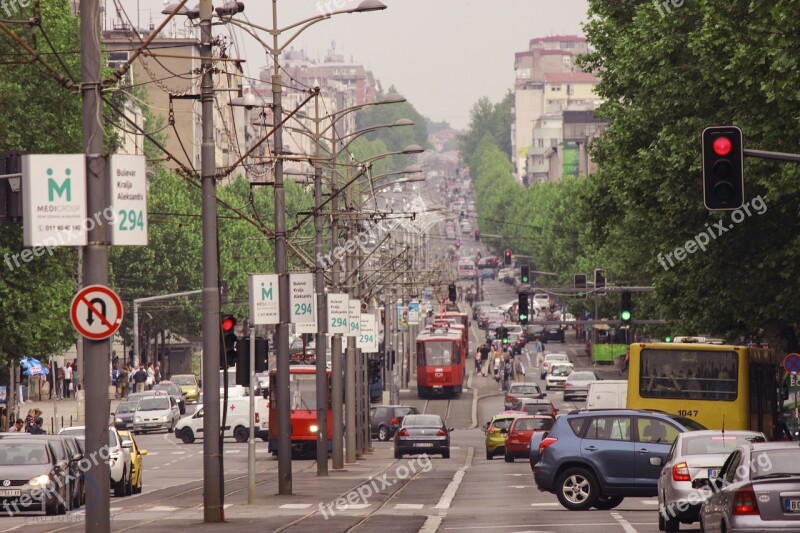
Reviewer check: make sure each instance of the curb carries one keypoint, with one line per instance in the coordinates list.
(475, 400)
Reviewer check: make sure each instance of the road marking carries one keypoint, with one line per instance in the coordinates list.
(624, 523)
(432, 524)
(450, 492)
(232, 451)
(517, 475)
(546, 504)
(225, 506)
(560, 525)
(520, 486)
(151, 454)
(178, 453)
(354, 506)
(163, 509)
(409, 506)
(649, 502)
(295, 506)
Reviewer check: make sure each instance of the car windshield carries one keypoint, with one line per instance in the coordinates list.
(126, 407)
(503, 423)
(422, 421)
(561, 370)
(715, 444)
(184, 380)
(22, 454)
(775, 463)
(153, 404)
(536, 408)
(582, 376)
(524, 389)
(533, 424)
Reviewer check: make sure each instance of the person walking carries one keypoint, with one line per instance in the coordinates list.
(140, 379)
(478, 360)
(508, 370)
(60, 383)
(18, 426)
(67, 380)
(51, 381)
(539, 349)
(519, 370)
(485, 350)
(158, 376)
(122, 383)
(37, 427)
(151, 376)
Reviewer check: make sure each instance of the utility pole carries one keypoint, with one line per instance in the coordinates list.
(212, 457)
(395, 393)
(322, 315)
(337, 394)
(95, 265)
(350, 357)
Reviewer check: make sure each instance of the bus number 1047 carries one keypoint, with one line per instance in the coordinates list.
(687, 412)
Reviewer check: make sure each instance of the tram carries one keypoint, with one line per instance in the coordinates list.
(303, 398)
(440, 360)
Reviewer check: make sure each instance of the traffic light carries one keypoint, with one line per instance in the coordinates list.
(504, 334)
(667, 339)
(10, 188)
(522, 308)
(626, 308)
(723, 168)
(478, 236)
(452, 295)
(458, 244)
(507, 257)
(228, 355)
(599, 282)
(580, 286)
(243, 359)
(525, 273)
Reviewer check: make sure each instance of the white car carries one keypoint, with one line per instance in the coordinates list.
(237, 423)
(541, 300)
(119, 458)
(156, 413)
(557, 375)
(551, 358)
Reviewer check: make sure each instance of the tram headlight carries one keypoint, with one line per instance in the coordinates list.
(313, 428)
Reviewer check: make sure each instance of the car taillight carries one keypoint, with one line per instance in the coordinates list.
(567, 384)
(403, 433)
(442, 433)
(744, 502)
(394, 422)
(546, 443)
(509, 399)
(680, 472)
(258, 419)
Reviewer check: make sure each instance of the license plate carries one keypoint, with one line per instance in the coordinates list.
(10, 492)
(437, 386)
(791, 505)
(713, 473)
(423, 444)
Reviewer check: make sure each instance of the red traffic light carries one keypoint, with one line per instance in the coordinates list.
(722, 146)
(228, 323)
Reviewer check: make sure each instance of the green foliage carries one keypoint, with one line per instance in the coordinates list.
(488, 119)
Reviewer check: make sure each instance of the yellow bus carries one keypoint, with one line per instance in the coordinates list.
(735, 387)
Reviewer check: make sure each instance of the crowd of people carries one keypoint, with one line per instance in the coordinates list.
(503, 362)
(135, 378)
(32, 424)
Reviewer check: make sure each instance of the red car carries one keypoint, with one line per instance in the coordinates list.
(518, 438)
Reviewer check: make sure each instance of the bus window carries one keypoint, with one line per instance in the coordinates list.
(706, 375)
(438, 353)
(303, 389)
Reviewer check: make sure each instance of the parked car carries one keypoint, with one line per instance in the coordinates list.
(422, 434)
(551, 358)
(156, 413)
(28, 464)
(695, 455)
(627, 449)
(119, 459)
(137, 474)
(189, 385)
(386, 419)
(577, 384)
(495, 437)
(123, 414)
(517, 391)
(518, 437)
(532, 406)
(758, 489)
(557, 375)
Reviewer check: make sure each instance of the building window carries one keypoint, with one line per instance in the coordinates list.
(540, 143)
(553, 142)
(523, 73)
(567, 44)
(555, 88)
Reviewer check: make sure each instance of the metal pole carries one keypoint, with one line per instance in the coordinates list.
(251, 442)
(79, 343)
(337, 396)
(350, 370)
(281, 268)
(135, 333)
(395, 393)
(212, 457)
(322, 316)
(95, 264)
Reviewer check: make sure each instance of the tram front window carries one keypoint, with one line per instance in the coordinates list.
(438, 353)
(303, 389)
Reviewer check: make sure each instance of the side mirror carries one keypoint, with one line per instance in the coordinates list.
(656, 461)
(450, 429)
(485, 427)
(142, 452)
(76, 457)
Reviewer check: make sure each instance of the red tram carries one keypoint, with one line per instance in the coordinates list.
(303, 398)
(440, 361)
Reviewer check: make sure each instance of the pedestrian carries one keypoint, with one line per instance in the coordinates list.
(29, 420)
(151, 376)
(140, 378)
(18, 426)
(519, 370)
(539, 349)
(50, 378)
(67, 380)
(158, 376)
(478, 360)
(37, 426)
(497, 368)
(122, 382)
(75, 377)
(508, 370)
(780, 430)
(60, 383)
(485, 350)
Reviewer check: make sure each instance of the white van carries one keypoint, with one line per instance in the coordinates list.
(237, 424)
(607, 394)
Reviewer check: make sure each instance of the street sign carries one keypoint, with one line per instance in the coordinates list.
(792, 363)
(368, 338)
(338, 313)
(413, 313)
(128, 199)
(54, 198)
(307, 327)
(354, 318)
(264, 307)
(402, 316)
(301, 298)
(96, 312)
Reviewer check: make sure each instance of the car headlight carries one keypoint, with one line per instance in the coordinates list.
(39, 481)
(118, 420)
(137, 419)
(313, 428)
(163, 418)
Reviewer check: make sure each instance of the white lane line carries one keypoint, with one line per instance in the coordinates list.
(354, 506)
(626, 526)
(409, 506)
(163, 509)
(547, 504)
(432, 524)
(295, 506)
(178, 453)
(649, 502)
(450, 492)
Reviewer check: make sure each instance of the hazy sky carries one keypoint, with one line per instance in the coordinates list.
(443, 55)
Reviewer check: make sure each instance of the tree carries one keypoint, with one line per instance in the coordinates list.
(488, 119)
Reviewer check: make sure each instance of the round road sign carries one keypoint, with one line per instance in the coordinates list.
(96, 312)
(792, 363)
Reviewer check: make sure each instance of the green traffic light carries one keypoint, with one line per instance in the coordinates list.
(523, 317)
(667, 339)
(505, 341)
(625, 316)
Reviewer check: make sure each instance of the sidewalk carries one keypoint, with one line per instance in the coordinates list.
(65, 411)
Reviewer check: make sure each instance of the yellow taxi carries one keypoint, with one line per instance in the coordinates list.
(189, 386)
(136, 459)
(496, 430)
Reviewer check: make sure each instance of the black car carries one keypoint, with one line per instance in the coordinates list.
(422, 434)
(385, 419)
(69, 453)
(123, 415)
(29, 464)
(554, 333)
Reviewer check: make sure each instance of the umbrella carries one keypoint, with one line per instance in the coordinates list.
(33, 367)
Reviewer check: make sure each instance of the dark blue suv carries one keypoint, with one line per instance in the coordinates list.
(596, 458)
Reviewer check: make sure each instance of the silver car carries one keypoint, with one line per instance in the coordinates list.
(577, 384)
(758, 489)
(694, 455)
